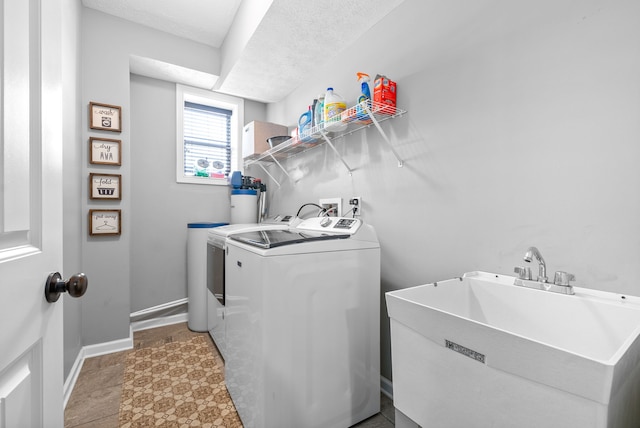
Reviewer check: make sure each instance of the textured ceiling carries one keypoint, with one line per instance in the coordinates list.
(204, 21)
(170, 72)
(278, 54)
(292, 38)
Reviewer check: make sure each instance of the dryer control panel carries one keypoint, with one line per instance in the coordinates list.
(331, 224)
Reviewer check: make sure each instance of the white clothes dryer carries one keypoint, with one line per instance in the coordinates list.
(303, 324)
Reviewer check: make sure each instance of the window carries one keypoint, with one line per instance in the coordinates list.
(208, 135)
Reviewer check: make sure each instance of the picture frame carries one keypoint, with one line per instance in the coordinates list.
(105, 151)
(105, 222)
(105, 186)
(105, 117)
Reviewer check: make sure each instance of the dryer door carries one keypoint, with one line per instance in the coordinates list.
(215, 271)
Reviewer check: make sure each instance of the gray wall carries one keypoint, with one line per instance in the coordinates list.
(107, 43)
(160, 207)
(146, 265)
(72, 165)
(522, 129)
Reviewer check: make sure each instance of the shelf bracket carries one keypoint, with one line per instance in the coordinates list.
(280, 165)
(267, 172)
(328, 141)
(367, 108)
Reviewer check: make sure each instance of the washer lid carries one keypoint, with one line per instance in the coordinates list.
(277, 238)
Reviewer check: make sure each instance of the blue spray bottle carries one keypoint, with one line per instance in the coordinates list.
(365, 96)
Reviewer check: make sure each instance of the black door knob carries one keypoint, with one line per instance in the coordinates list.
(76, 286)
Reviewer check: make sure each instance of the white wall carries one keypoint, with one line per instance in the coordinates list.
(522, 129)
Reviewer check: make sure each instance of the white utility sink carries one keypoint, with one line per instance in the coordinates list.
(480, 351)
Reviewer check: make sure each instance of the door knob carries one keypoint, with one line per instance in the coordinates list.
(76, 286)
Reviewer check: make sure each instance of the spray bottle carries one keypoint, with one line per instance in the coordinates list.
(365, 97)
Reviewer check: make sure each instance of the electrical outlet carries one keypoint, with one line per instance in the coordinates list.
(333, 206)
(356, 204)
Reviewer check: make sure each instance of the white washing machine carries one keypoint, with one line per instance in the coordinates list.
(303, 324)
(216, 240)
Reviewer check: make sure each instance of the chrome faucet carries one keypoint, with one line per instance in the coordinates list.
(542, 267)
(560, 282)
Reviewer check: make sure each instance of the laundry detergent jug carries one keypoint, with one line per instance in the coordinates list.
(334, 105)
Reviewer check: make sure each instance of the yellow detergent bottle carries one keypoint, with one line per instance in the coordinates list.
(334, 105)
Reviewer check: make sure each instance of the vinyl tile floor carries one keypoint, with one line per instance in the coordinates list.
(95, 400)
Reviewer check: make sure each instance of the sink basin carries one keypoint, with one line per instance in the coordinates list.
(480, 351)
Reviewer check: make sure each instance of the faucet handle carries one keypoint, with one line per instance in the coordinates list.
(523, 272)
(563, 278)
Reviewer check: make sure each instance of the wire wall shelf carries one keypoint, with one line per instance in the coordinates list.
(360, 116)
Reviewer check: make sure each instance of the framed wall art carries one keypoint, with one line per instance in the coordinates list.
(105, 151)
(105, 186)
(105, 117)
(105, 222)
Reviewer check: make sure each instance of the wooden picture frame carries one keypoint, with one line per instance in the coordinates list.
(105, 186)
(105, 151)
(105, 117)
(105, 222)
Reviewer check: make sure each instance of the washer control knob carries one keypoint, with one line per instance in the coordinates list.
(325, 222)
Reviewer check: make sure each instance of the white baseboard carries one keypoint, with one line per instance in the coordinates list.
(159, 322)
(109, 347)
(386, 387)
(159, 308)
(71, 379)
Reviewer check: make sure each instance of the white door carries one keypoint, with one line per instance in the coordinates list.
(31, 346)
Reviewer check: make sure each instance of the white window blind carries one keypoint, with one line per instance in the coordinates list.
(208, 136)
(207, 140)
